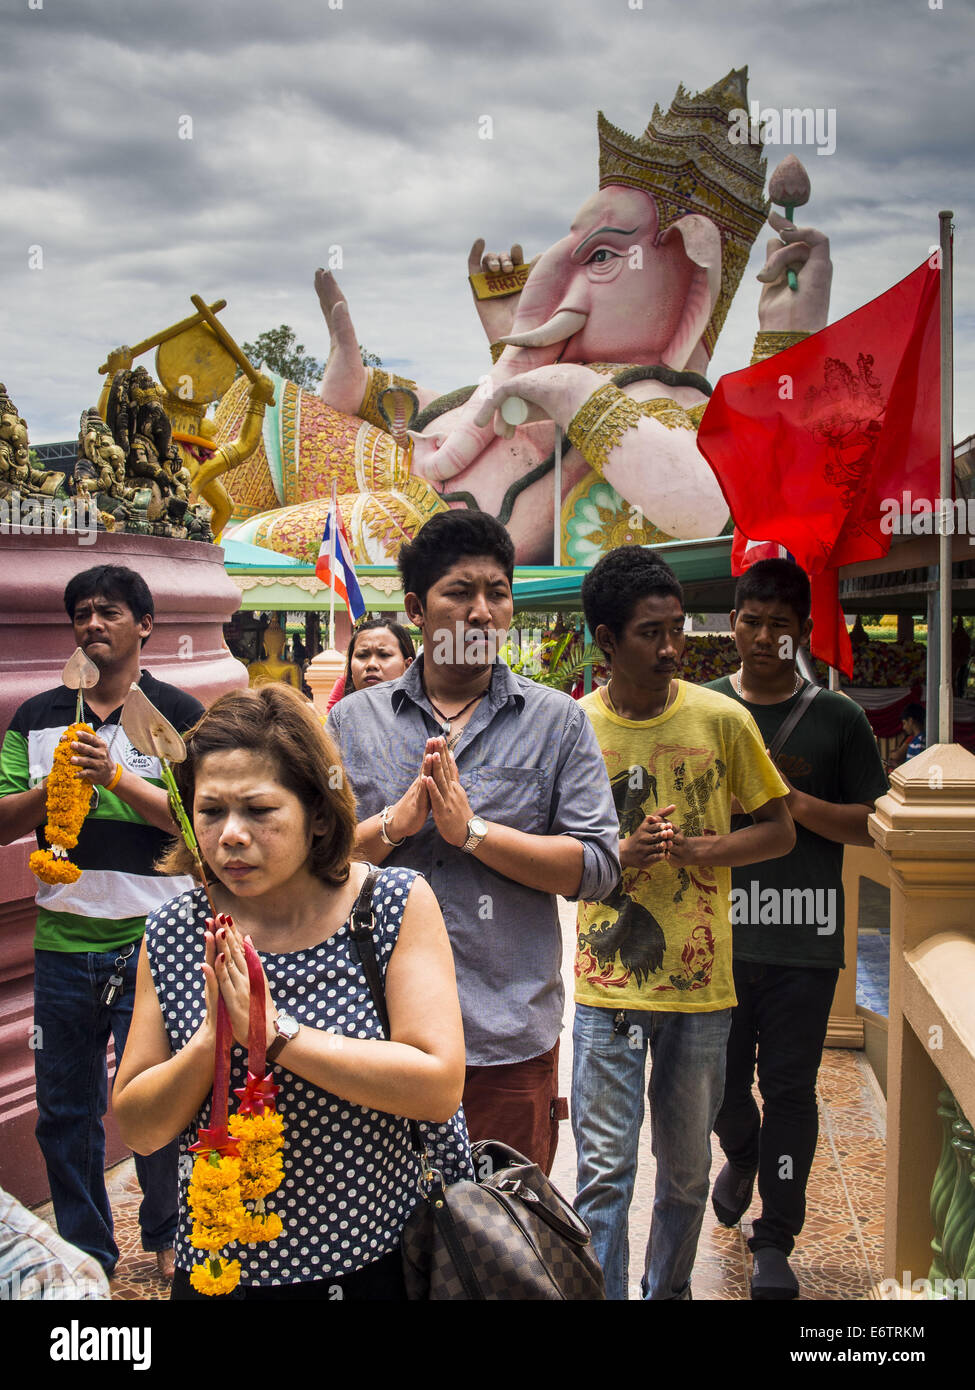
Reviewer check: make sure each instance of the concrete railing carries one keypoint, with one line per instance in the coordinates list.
(925, 826)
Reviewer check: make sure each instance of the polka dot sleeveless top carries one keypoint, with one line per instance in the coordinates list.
(350, 1176)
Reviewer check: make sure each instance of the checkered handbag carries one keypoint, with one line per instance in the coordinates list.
(510, 1235)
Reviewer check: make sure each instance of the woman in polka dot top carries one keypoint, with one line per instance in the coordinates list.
(275, 819)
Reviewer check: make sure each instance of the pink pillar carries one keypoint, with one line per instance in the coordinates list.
(193, 599)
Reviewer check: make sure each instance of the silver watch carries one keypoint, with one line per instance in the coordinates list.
(286, 1028)
(476, 830)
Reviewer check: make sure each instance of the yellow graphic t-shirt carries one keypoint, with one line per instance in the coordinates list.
(663, 941)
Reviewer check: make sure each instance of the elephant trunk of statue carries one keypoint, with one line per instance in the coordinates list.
(439, 457)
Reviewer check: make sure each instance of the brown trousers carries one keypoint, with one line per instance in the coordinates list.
(518, 1104)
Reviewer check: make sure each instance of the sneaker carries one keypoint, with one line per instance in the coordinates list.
(732, 1194)
(772, 1276)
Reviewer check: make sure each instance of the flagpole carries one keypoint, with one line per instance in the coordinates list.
(945, 702)
(332, 553)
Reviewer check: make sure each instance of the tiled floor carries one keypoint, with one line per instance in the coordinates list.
(838, 1256)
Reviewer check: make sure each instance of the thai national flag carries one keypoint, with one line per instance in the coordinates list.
(338, 570)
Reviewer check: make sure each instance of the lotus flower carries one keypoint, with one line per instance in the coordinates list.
(789, 185)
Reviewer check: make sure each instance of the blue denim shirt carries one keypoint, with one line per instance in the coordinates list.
(528, 758)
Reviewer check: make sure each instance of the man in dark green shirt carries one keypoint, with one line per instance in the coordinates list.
(787, 921)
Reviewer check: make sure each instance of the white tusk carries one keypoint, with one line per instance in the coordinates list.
(558, 328)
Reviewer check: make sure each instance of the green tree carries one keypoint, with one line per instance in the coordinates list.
(279, 351)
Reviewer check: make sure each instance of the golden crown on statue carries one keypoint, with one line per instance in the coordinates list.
(686, 161)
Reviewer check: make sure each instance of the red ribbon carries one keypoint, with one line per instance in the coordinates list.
(216, 1139)
(259, 1093)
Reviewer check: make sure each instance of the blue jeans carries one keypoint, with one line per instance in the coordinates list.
(687, 1052)
(72, 1096)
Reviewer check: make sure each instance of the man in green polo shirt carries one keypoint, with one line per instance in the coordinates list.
(88, 932)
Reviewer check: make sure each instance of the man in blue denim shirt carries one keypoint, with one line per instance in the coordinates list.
(495, 789)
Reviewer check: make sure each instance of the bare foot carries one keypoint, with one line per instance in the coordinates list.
(166, 1264)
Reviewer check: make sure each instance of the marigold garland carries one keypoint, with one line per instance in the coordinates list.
(218, 1188)
(238, 1160)
(68, 799)
(260, 1227)
(51, 867)
(261, 1164)
(216, 1277)
(215, 1202)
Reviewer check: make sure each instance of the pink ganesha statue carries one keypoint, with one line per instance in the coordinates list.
(605, 337)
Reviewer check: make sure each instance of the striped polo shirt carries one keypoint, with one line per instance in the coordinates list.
(116, 851)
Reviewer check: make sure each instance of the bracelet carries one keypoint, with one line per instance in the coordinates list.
(601, 422)
(769, 342)
(116, 778)
(393, 844)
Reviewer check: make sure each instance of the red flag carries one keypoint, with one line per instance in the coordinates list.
(829, 641)
(809, 444)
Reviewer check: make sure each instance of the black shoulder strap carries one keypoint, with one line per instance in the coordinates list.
(360, 930)
(790, 722)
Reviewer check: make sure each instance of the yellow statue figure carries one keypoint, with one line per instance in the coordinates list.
(281, 495)
(274, 667)
(196, 360)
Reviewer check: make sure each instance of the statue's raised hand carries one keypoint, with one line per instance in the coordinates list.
(344, 382)
(806, 251)
(496, 315)
(120, 359)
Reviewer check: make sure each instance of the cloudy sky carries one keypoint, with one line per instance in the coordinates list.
(356, 124)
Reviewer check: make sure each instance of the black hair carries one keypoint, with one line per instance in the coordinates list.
(914, 711)
(399, 632)
(616, 583)
(447, 538)
(112, 582)
(771, 581)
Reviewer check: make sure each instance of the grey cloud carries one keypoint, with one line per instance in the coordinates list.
(359, 128)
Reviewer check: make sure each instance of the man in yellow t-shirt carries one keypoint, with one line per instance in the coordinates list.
(653, 962)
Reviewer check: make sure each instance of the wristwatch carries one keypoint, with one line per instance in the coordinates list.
(476, 830)
(286, 1028)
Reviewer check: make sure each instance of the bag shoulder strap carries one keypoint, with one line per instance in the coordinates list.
(792, 719)
(361, 932)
